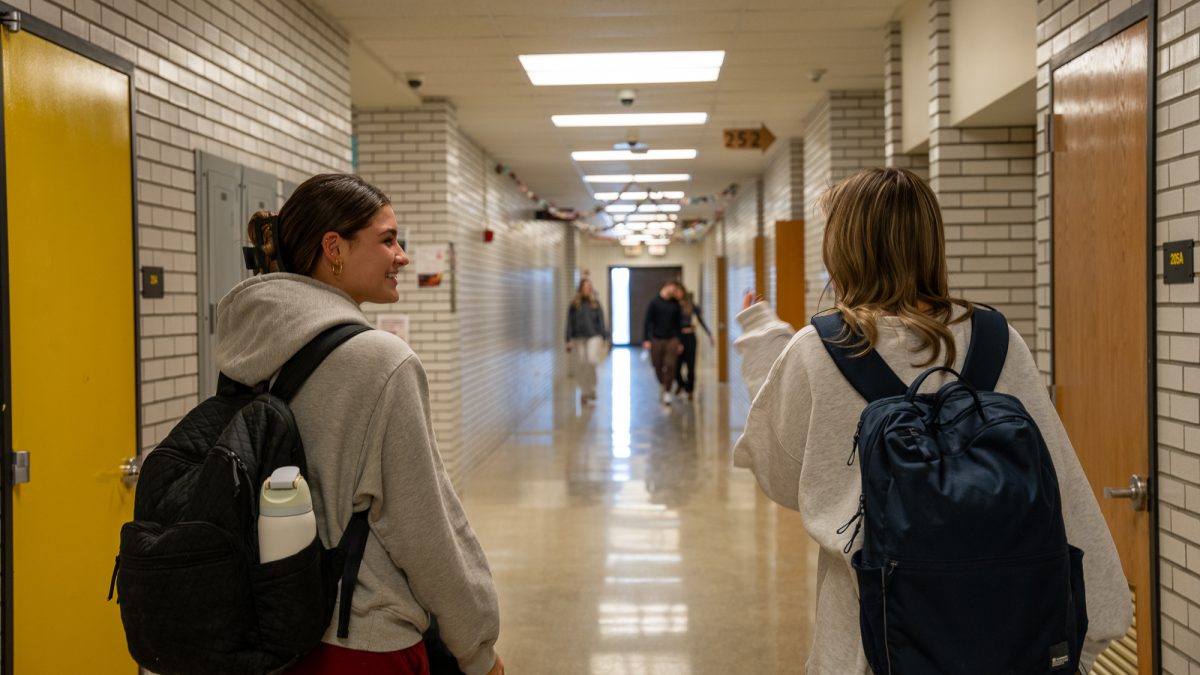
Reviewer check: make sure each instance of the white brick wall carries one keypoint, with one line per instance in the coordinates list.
(843, 134)
(984, 181)
(490, 335)
(782, 196)
(264, 83)
(893, 107)
(741, 226)
(512, 297)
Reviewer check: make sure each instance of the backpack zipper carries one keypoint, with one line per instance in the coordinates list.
(237, 465)
(884, 573)
(857, 520)
(854, 448)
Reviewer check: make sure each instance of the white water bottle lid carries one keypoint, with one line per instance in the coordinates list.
(284, 493)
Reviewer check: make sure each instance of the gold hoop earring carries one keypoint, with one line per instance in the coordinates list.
(336, 266)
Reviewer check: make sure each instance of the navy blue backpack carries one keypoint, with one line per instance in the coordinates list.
(965, 566)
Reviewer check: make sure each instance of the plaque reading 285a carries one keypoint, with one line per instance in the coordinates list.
(1178, 263)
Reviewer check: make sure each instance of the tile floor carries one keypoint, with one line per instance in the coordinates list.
(623, 542)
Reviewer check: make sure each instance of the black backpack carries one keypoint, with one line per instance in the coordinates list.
(194, 598)
(965, 566)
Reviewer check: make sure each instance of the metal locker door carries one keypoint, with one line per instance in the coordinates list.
(220, 230)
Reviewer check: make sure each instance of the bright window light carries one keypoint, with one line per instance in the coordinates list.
(638, 196)
(627, 156)
(638, 178)
(622, 67)
(630, 120)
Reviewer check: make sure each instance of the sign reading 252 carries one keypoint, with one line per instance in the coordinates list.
(749, 139)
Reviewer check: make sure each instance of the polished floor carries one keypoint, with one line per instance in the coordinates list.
(623, 541)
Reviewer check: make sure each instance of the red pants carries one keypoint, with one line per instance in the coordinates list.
(332, 660)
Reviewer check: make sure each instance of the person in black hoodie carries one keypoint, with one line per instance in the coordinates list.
(664, 321)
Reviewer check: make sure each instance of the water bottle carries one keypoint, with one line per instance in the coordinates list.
(286, 524)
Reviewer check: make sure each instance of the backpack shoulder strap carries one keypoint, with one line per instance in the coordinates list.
(350, 549)
(868, 374)
(297, 369)
(988, 349)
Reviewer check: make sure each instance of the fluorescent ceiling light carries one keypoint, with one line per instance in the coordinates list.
(657, 242)
(646, 217)
(627, 156)
(629, 119)
(622, 67)
(621, 208)
(638, 196)
(638, 178)
(657, 208)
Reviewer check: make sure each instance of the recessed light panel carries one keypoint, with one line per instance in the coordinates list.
(622, 67)
(638, 178)
(630, 120)
(627, 156)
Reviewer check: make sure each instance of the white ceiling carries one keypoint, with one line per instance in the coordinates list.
(467, 51)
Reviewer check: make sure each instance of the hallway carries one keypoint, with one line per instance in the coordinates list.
(623, 541)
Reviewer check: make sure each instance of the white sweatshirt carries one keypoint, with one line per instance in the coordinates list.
(799, 433)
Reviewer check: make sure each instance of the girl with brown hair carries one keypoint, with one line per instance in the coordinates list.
(587, 338)
(364, 418)
(885, 253)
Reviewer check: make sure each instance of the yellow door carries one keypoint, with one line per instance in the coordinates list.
(1100, 262)
(71, 351)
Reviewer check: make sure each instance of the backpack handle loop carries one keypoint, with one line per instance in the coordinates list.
(911, 394)
(942, 395)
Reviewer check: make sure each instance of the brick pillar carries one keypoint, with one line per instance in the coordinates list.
(984, 179)
(893, 107)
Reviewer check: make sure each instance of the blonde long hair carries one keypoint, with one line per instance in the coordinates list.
(885, 251)
(578, 299)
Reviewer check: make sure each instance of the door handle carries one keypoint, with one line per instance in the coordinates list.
(130, 469)
(1138, 493)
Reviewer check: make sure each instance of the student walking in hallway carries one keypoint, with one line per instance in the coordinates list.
(685, 370)
(664, 323)
(587, 338)
(884, 249)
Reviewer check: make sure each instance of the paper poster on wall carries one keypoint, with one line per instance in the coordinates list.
(430, 262)
(396, 324)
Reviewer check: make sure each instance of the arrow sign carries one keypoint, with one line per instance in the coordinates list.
(749, 139)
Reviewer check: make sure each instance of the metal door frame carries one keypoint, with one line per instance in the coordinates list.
(1146, 10)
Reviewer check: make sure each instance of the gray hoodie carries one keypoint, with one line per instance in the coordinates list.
(368, 439)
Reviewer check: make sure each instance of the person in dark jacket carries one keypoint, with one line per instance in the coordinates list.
(587, 338)
(687, 358)
(664, 321)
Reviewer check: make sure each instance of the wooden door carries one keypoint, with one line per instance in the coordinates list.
(70, 352)
(1100, 295)
(789, 272)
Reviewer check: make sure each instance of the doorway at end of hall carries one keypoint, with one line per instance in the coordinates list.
(630, 290)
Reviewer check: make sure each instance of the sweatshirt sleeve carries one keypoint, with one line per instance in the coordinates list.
(417, 517)
(1109, 608)
(762, 340)
(649, 320)
(782, 396)
(570, 323)
(603, 323)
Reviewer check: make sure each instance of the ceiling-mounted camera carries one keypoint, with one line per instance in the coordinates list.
(627, 97)
(415, 80)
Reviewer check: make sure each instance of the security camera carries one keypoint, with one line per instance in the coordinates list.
(415, 80)
(627, 97)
